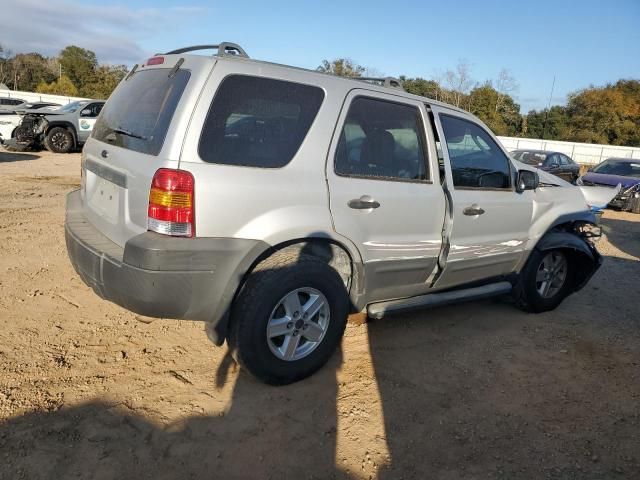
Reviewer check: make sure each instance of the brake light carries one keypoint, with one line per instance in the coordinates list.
(171, 203)
(155, 61)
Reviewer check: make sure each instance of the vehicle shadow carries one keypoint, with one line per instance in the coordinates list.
(15, 156)
(267, 432)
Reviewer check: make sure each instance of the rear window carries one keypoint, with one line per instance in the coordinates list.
(138, 113)
(258, 122)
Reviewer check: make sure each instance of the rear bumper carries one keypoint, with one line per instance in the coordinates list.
(160, 276)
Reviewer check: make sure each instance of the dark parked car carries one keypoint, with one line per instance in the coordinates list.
(553, 162)
(614, 171)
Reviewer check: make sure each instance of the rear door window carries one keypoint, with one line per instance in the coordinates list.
(258, 122)
(382, 140)
(138, 113)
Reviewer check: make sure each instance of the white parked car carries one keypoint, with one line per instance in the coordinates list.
(271, 201)
(11, 119)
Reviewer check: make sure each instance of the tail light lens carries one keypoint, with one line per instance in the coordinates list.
(171, 203)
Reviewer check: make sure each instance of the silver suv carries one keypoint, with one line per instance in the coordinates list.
(271, 201)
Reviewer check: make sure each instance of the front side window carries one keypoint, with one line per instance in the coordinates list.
(258, 122)
(383, 140)
(476, 160)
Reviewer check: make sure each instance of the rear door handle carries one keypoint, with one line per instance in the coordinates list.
(365, 202)
(473, 210)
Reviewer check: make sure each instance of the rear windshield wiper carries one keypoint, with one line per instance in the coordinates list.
(122, 131)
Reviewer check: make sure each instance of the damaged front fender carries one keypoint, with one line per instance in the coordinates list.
(578, 243)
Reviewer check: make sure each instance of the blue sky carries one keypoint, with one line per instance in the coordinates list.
(582, 43)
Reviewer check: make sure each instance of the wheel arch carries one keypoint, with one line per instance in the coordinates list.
(582, 254)
(330, 250)
(66, 125)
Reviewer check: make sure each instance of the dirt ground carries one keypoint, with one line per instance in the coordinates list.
(481, 390)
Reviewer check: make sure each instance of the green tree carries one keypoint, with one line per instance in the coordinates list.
(61, 86)
(503, 120)
(344, 67)
(609, 114)
(78, 64)
(103, 81)
(551, 124)
(422, 87)
(30, 69)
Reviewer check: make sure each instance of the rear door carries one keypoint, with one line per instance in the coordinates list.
(381, 170)
(490, 221)
(140, 129)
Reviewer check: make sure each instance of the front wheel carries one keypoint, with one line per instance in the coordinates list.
(288, 318)
(59, 140)
(545, 281)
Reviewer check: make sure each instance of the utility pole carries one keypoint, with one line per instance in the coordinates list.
(546, 115)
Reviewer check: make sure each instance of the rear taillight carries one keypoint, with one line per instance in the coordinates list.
(171, 203)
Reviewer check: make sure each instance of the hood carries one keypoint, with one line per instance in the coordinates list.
(611, 180)
(599, 197)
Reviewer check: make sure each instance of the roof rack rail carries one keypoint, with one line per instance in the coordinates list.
(389, 82)
(225, 48)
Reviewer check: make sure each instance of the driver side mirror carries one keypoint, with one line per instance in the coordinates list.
(85, 113)
(527, 180)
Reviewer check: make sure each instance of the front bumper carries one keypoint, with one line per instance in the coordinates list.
(160, 276)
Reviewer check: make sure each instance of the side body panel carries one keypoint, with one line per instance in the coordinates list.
(490, 244)
(275, 205)
(401, 239)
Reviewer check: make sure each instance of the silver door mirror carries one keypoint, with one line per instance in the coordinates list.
(527, 180)
(86, 112)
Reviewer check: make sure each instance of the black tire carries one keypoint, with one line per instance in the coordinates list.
(526, 293)
(272, 279)
(634, 205)
(59, 140)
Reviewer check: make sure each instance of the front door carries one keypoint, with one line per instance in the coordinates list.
(490, 224)
(385, 195)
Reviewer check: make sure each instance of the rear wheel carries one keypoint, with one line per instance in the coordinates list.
(59, 140)
(288, 318)
(545, 281)
(634, 204)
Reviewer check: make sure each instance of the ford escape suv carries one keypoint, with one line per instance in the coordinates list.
(271, 201)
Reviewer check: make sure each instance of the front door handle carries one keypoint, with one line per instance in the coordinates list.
(365, 202)
(473, 210)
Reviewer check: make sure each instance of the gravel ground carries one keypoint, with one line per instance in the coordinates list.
(481, 390)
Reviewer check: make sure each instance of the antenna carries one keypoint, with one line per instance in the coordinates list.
(546, 115)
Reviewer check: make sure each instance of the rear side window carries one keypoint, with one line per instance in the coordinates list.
(138, 113)
(383, 140)
(258, 122)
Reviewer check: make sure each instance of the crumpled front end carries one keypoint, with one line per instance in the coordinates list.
(29, 134)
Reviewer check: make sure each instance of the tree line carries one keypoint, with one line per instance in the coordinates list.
(609, 114)
(74, 72)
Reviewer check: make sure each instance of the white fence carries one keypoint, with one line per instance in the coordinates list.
(584, 153)
(39, 97)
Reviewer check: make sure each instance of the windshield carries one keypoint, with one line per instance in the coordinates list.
(624, 169)
(530, 158)
(138, 113)
(71, 107)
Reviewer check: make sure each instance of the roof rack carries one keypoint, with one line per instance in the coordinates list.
(389, 82)
(225, 48)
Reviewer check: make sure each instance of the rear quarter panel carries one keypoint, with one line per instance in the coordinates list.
(274, 205)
